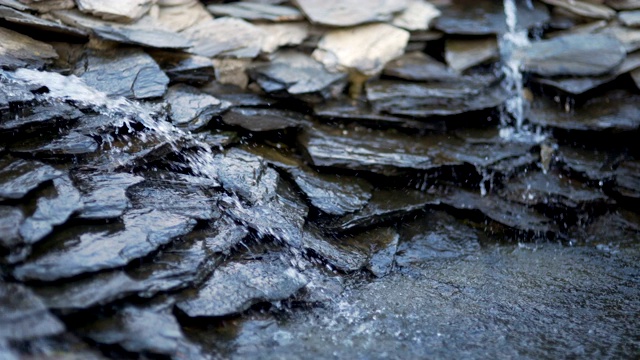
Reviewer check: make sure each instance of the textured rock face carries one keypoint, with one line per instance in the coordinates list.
(349, 13)
(118, 10)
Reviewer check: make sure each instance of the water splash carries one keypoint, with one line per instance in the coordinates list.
(512, 117)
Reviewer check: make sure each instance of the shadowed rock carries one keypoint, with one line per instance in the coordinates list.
(82, 250)
(23, 315)
(192, 69)
(18, 51)
(39, 25)
(18, 177)
(40, 116)
(125, 72)
(235, 287)
(10, 220)
(254, 119)
(627, 179)
(71, 144)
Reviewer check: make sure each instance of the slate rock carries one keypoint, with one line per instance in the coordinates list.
(191, 108)
(296, 74)
(45, 117)
(614, 110)
(72, 144)
(383, 245)
(177, 197)
(365, 49)
(256, 119)
(18, 51)
(10, 92)
(225, 37)
(127, 72)
(282, 34)
(49, 5)
(185, 68)
(343, 255)
(579, 54)
(628, 37)
(611, 231)
(417, 16)
(256, 11)
(54, 208)
(10, 220)
(588, 165)
(349, 13)
(433, 99)
(18, 177)
(583, 8)
(418, 66)
(627, 179)
(462, 54)
(227, 235)
(142, 33)
(118, 10)
(37, 25)
(484, 17)
(623, 4)
(235, 287)
(630, 18)
(179, 17)
(105, 247)
(103, 194)
(436, 236)
(23, 316)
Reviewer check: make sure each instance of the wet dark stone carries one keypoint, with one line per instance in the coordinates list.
(245, 174)
(384, 206)
(71, 144)
(18, 177)
(81, 250)
(11, 92)
(23, 315)
(435, 236)
(343, 255)
(45, 116)
(103, 195)
(579, 54)
(236, 286)
(191, 108)
(18, 51)
(255, 119)
(431, 99)
(141, 35)
(185, 68)
(177, 197)
(10, 220)
(53, 208)
(281, 216)
(611, 232)
(139, 329)
(297, 74)
(125, 72)
(627, 179)
(383, 245)
(40, 25)
(256, 11)
(361, 112)
(551, 189)
(614, 110)
(418, 66)
(589, 165)
(507, 213)
(483, 17)
(225, 237)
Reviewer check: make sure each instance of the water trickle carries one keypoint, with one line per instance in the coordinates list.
(512, 114)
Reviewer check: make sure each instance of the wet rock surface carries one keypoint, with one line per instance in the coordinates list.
(291, 179)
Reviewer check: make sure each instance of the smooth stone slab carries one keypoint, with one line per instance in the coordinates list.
(18, 51)
(191, 108)
(104, 194)
(15, 4)
(10, 220)
(49, 5)
(588, 165)
(433, 99)
(18, 177)
(417, 16)
(235, 287)
(365, 49)
(484, 17)
(629, 37)
(185, 68)
(106, 247)
(296, 73)
(418, 66)
(125, 72)
(257, 11)
(623, 4)
(225, 37)
(614, 110)
(142, 33)
(176, 197)
(283, 34)
(579, 54)
(342, 255)
(434, 237)
(73, 144)
(462, 54)
(256, 119)
(53, 208)
(24, 19)
(183, 16)
(584, 8)
(23, 315)
(116, 10)
(344, 13)
(630, 18)
(45, 117)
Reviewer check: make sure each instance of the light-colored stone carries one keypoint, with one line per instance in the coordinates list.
(277, 35)
(17, 50)
(463, 54)
(44, 6)
(417, 16)
(181, 17)
(225, 37)
(232, 71)
(585, 9)
(630, 18)
(365, 49)
(623, 4)
(630, 38)
(256, 11)
(116, 10)
(350, 12)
